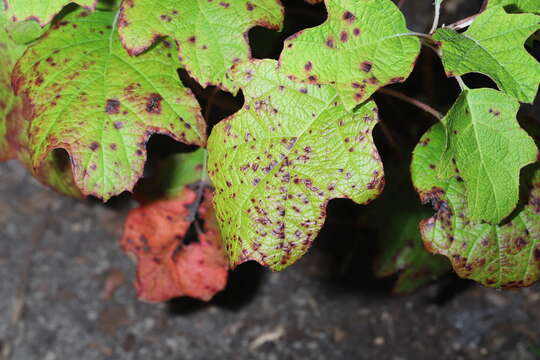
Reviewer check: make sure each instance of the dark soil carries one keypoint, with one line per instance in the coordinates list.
(57, 256)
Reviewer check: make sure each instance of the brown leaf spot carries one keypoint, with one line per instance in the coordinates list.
(153, 105)
(112, 106)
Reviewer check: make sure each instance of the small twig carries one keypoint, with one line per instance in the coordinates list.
(412, 101)
(436, 17)
(463, 23)
(202, 184)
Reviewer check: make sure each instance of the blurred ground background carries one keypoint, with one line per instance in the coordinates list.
(57, 256)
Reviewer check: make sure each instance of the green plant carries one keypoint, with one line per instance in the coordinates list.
(98, 80)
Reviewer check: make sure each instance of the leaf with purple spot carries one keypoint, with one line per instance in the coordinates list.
(41, 11)
(277, 162)
(211, 35)
(83, 93)
(506, 255)
(362, 46)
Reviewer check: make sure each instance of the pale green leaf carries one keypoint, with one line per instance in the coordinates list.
(41, 11)
(505, 255)
(277, 162)
(212, 35)
(489, 149)
(362, 46)
(494, 45)
(85, 94)
(532, 6)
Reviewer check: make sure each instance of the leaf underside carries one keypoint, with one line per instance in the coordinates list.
(489, 148)
(505, 255)
(361, 47)
(277, 162)
(85, 94)
(494, 45)
(211, 35)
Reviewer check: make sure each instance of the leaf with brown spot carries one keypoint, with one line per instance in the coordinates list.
(506, 255)
(362, 46)
(277, 162)
(156, 235)
(84, 94)
(211, 35)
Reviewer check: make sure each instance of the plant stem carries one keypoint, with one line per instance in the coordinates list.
(436, 17)
(412, 101)
(463, 23)
(460, 82)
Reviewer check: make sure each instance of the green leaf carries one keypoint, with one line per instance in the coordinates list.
(24, 32)
(395, 215)
(9, 53)
(494, 45)
(212, 35)
(532, 6)
(41, 11)
(174, 174)
(362, 46)
(277, 162)
(85, 94)
(505, 255)
(489, 149)
(403, 252)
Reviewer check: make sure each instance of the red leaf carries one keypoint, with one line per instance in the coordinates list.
(166, 267)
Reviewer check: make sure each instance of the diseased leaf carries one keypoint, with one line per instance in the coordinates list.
(86, 95)
(157, 234)
(494, 45)
(489, 149)
(532, 6)
(277, 162)
(211, 35)
(25, 32)
(362, 46)
(54, 170)
(505, 255)
(41, 11)
(9, 53)
(166, 267)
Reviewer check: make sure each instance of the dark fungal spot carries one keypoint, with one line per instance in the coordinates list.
(94, 146)
(349, 17)
(250, 6)
(356, 31)
(344, 36)
(224, 4)
(366, 66)
(192, 39)
(308, 66)
(113, 147)
(330, 42)
(153, 105)
(112, 106)
(118, 125)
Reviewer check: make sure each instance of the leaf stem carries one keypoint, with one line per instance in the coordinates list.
(411, 101)
(461, 83)
(202, 184)
(463, 23)
(436, 17)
